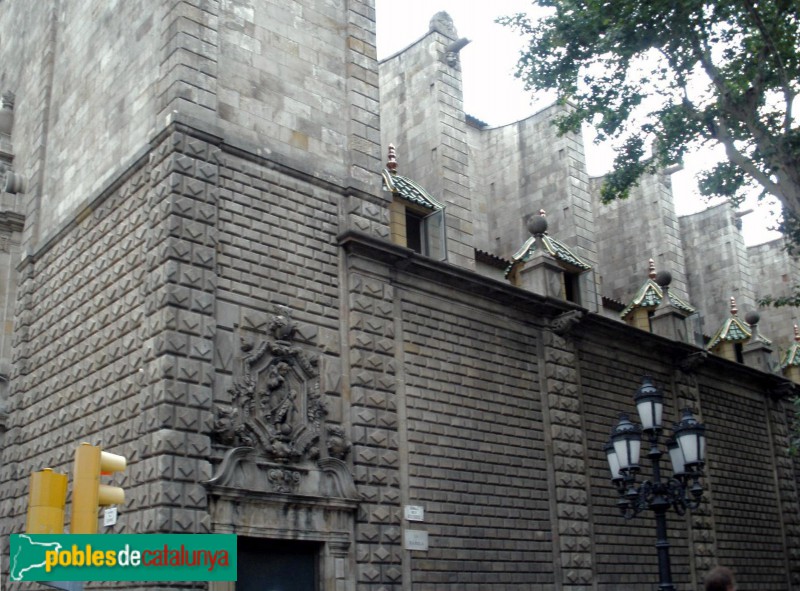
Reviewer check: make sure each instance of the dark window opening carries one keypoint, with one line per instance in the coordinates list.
(572, 288)
(277, 565)
(737, 347)
(424, 231)
(414, 231)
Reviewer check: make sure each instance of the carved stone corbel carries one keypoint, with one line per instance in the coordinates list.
(783, 390)
(691, 362)
(563, 324)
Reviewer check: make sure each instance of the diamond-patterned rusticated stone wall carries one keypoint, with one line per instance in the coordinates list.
(787, 486)
(458, 393)
(702, 534)
(374, 425)
(178, 332)
(78, 357)
(563, 424)
(134, 319)
(115, 339)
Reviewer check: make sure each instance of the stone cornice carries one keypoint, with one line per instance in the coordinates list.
(591, 326)
(412, 263)
(680, 355)
(12, 221)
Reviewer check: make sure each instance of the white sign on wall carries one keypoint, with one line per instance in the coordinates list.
(416, 540)
(110, 516)
(415, 513)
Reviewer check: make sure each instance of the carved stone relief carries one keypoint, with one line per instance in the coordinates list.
(242, 468)
(276, 405)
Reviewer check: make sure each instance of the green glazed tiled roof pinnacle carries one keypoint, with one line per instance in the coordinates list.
(733, 330)
(555, 248)
(792, 355)
(650, 294)
(404, 187)
(410, 191)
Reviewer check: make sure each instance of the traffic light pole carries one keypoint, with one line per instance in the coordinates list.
(48, 493)
(87, 492)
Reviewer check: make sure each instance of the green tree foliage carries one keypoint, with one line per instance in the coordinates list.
(661, 77)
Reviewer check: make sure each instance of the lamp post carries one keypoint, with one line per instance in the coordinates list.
(686, 449)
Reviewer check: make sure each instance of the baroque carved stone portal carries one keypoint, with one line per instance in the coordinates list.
(242, 469)
(276, 406)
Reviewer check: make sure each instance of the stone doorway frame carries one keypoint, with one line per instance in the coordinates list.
(249, 496)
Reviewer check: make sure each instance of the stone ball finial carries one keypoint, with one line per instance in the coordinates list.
(663, 278)
(734, 309)
(391, 160)
(651, 269)
(537, 224)
(752, 317)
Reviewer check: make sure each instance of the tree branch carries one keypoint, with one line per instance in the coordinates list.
(722, 134)
(769, 43)
(747, 115)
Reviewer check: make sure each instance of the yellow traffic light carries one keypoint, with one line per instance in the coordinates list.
(46, 499)
(87, 492)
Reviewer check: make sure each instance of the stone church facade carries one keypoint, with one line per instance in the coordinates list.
(218, 269)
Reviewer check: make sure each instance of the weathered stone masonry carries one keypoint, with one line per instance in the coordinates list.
(179, 330)
(238, 266)
(563, 422)
(78, 351)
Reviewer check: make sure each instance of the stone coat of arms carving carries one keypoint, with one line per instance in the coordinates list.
(276, 406)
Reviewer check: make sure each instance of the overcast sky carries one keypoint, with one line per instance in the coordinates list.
(492, 94)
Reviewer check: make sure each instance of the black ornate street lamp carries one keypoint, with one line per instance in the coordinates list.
(687, 450)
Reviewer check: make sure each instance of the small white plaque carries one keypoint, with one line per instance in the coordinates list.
(415, 513)
(110, 516)
(416, 540)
